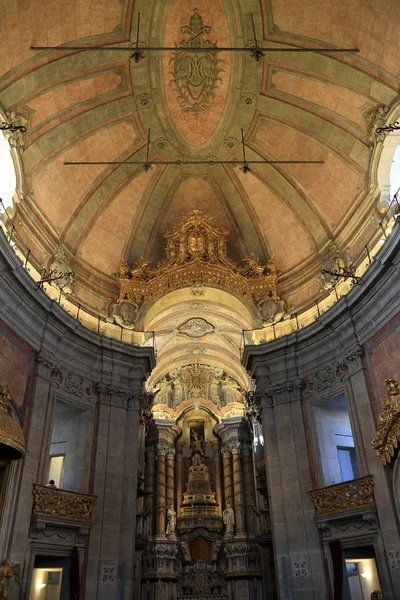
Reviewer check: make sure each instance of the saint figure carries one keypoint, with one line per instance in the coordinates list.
(229, 519)
(171, 521)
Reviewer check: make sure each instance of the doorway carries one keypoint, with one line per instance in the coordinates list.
(362, 574)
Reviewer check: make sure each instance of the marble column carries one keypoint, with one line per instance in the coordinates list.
(238, 490)
(179, 478)
(248, 482)
(160, 484)
(227, 466)
(170, 479)
(149, 488)
(217, 478)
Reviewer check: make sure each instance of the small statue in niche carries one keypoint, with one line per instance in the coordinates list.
(215, 549)
(186, 551)
(197, 443)
(171, 521)
(229, 519)
(7, 572)
(196, 460)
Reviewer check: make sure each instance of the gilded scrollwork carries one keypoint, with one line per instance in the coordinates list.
(349, 495)
(387, 439)
(61, 504)
(196, 256)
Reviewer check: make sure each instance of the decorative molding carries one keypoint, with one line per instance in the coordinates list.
(331, 375)
(249, 99)
(61, 504)
(394, 559)
(143, 101)
(72, 383)
(196, 255)
(342, 497)
(108, 574)
(387, 439)
(300, 569)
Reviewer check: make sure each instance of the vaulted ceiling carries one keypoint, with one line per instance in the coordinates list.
(98, 106)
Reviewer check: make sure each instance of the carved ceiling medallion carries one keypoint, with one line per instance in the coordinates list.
(196, 254)
(195, 75)
(196, 327)
(387, 440)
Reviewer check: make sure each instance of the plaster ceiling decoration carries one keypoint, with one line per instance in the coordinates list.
(99, 106)
(196, 327)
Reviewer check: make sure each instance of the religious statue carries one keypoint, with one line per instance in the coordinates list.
(7, 572)
(216, 547)
(196, 460)
(171, 521)
(229, 519)
(197, 442)
(186, 551)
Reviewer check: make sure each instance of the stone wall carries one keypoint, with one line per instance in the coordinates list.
(349, 350)
(101, 380)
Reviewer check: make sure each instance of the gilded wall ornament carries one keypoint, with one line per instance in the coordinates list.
(196, 327)
(195, 75)
(345, 496)
(61, 504)
(196, 255)
(387, 439)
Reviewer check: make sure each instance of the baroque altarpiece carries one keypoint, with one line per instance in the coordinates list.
(203, 521)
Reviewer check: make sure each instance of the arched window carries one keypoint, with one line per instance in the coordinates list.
(8, 179)
(395, 172)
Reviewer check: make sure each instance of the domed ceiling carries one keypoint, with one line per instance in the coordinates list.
(99, 105)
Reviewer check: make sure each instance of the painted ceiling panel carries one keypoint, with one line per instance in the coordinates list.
(290, 106)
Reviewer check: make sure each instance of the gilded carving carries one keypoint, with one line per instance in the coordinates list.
(196, 256)
(11, 435)
(62, 504)
(349, 495)
(195, 75)
(8, 572)
(387, 438)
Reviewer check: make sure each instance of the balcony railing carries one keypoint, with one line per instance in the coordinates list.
(342, 497)
(60, 504)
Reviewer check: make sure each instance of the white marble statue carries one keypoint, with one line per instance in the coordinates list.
(229, 519)
(171, 521)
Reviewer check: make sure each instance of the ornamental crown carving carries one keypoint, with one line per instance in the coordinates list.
(196, 254)
(387, 438)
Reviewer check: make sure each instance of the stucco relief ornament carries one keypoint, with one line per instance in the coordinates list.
(387, 439)
(196, 327)
(333, 262)
(195, 75)
(60, 267)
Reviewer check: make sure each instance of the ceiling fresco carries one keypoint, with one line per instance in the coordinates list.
(99, 105)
